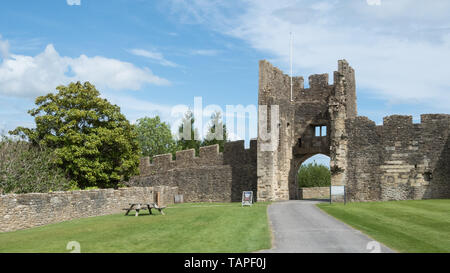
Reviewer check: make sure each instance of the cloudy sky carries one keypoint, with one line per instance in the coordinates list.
(148, 56)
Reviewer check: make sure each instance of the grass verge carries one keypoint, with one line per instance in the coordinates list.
(405, 226)
(191, 228)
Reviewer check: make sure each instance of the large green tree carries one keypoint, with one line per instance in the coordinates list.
(154, 137)
(217, 132)
(93, 141)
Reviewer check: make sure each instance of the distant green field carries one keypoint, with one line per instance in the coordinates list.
(206, 227)
(405, 226)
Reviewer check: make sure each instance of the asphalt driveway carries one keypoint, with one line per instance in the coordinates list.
(301, 227)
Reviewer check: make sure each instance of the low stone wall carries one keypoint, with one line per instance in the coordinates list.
(20, 211)
(314, 193)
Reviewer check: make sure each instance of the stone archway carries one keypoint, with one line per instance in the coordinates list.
(310, 121)
(296, 163)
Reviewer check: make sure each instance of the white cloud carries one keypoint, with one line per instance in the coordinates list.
(138, 108)
(73, 2)
(156, 56)
(4, 48)
(400, 49)
(28, 76)
(374, 2)
(205, 52)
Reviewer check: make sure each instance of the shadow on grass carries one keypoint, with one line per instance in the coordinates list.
(144, 214)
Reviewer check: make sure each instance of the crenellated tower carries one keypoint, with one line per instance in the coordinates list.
(309, 123)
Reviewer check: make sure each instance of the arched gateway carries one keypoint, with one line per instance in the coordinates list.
(310, 121)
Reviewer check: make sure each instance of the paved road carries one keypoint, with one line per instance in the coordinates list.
(299, 227)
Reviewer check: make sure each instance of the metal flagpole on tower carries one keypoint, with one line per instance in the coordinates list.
(290, 45)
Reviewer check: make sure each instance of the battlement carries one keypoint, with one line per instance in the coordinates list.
(362, 120)
(397, 121)
(399, 124)
(234, 147)
(275, 86)
(400, 129)
(406, 121)
(208, 156)
(318, 81)
(211, 151)
(344, 68)
(434, 118)
(185, 157)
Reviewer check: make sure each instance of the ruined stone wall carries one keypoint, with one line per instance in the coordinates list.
(342, 106)
(398, 160)
(321, 104)
(210, 177)
(20, 211)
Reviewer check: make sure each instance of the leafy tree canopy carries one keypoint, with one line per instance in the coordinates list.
(313, 175)
(154, 137)
(93, 142)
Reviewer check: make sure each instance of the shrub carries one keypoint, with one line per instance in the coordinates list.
(26, 168)
(313, 175)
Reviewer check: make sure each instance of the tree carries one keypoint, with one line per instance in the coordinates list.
(93, 142)
(214, 136)
(314, 175)
(26, 168)
(154, 137)
(187, 134)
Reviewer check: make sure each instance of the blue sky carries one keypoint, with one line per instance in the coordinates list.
(148, 56)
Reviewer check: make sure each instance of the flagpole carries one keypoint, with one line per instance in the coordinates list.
(290, 45)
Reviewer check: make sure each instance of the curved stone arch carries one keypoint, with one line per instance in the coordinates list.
(296, 162)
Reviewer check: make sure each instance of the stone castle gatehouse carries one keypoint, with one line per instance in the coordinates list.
(398, 160)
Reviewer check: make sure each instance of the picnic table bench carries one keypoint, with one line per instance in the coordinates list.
(144, 206)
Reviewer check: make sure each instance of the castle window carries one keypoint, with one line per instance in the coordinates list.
(299, 142)
(323, 131)
(317, 129)
(320, 131)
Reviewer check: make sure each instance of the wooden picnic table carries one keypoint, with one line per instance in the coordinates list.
(144, 206)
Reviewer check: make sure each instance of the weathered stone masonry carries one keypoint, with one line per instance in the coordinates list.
(320, 105)
(20, 211)
(212, 176)
(395, 161)
(399, 160)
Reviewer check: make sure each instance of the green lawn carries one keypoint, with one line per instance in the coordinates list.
(405, 226)
(206, 227)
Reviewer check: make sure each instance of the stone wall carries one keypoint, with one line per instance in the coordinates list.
(398, 160)
(20, 211)
(321, 104)
(210, 177)
(395, 161)
(314, 193)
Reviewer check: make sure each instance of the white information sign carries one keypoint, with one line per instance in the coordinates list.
(337, 190)
(247, 198)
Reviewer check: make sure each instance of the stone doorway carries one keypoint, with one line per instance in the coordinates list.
(311, 189)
